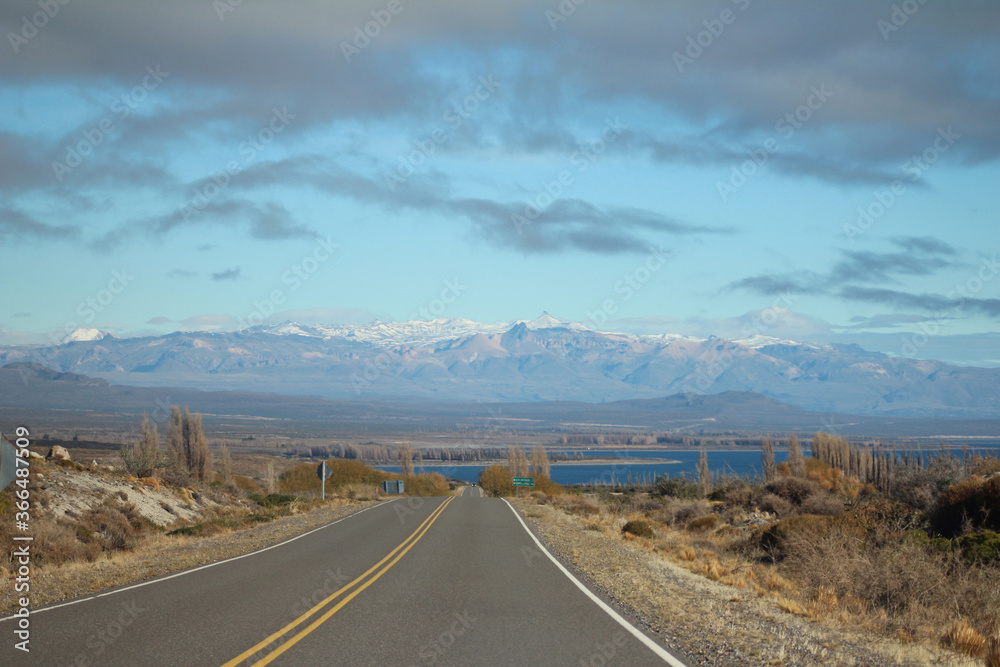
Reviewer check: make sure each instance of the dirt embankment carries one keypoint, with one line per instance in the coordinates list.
(71, 505)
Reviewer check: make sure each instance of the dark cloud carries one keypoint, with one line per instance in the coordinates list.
(564, 224)
(228, 274)
(771, 284)
(918, 257)
(935, 303)
(265, 221)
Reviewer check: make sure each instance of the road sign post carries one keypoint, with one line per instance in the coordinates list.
(523, 481)
(323, 472)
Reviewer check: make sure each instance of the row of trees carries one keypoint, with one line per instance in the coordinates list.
(187, 449)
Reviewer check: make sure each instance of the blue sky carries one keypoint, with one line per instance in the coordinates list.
(823, 171)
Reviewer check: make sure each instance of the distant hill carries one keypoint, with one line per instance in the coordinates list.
(77, 401)
(528, 360)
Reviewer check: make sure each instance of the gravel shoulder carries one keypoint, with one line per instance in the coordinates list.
(711, 623)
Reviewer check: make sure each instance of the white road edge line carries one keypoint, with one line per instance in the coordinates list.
(653, 646)
(200, 567)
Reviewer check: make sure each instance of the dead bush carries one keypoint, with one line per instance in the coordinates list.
(703, 523)
(825, 505)
(680, 512)
(639, 528)
(793, 489)
(740, 496)
(776, 505)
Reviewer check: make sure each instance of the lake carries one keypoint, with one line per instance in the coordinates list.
(734, 462)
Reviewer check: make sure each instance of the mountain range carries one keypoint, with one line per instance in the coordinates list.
(544, 359)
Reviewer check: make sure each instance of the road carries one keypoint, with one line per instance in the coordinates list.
(415, 581)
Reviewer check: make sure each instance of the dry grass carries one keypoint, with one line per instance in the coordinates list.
(992, 657)
(962, 637)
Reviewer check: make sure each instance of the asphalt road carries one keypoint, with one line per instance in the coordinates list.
(415, 581)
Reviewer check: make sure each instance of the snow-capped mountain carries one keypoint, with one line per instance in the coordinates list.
(416, 332)
(82, 334)
(526, 360)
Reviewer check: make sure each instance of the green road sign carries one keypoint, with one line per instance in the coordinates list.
(524, 481)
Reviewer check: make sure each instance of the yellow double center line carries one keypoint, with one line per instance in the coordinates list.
(394, 555)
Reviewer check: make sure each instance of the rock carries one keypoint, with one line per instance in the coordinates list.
(58, 453)
(36, 455)
(39, 475)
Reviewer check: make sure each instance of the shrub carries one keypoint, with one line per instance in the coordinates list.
(583, 508)
(273, 499)
(702, 523)
(826, 505)
(740, 496)
(793, 489)
(547, 486)
(246, 484)
(639, 528)
(680, 512)
(981, 547)
(776, 505)
(678, 487)
(496, 481)
(778, 538)
(427, 485)
(974, 501)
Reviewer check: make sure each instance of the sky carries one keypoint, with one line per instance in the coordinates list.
(818, 171)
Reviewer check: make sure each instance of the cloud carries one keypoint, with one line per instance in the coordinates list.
(228, 274)
(324, 316)
(803, 282)
(566, 224)
(776, 322)
(935, 303)
(21, 315)
(16, 224)
(209, 322)
(887, 321)
(181, 273)
(918, 257)
(158, 320)
(267, 221)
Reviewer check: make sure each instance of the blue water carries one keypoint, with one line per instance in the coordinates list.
(745, 463)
